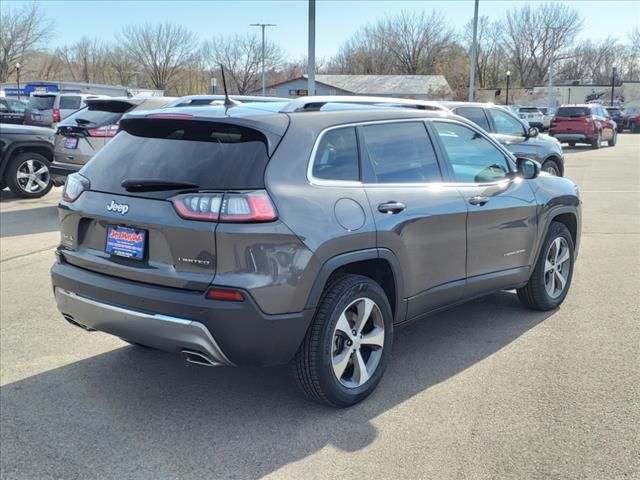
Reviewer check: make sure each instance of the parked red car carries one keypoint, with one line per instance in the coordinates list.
(589, 123)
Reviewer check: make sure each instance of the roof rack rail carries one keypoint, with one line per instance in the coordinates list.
(315, 103)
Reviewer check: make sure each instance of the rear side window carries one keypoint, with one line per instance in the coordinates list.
(572, 112)
(41, 103)
(337, 156)
(70, 102)
(214, 156)
(401, 153)
(476, 115)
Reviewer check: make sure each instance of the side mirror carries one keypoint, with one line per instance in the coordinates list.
(527, 168)
(532, 132)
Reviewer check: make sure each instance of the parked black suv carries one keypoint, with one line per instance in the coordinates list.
(618, 115)
(513, 134)
(304, 232)
(25, 157)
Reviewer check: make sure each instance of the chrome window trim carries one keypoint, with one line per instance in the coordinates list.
(319, 182)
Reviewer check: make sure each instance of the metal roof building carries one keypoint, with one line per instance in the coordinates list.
(423, 87)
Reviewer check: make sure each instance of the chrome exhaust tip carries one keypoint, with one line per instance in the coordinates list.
(70, 319)
(198, 358)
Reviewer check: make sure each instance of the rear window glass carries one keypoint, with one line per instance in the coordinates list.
(530, 110)
(337, 156)
(41, 103)
(93, 117)
(70, 103)
(213, 156)
(572, 112)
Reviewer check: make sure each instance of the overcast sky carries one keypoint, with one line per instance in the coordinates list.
(336, 19)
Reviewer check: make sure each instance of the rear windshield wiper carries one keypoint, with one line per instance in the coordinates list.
(152, 185)
(83, 121)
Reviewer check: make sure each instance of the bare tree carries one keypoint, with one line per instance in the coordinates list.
(161, 50)
(22, 31)
(124, 68)
(403, 44)
(634, 39)
(492, 57)
(85, 60)
(241, 56)
(537, 35)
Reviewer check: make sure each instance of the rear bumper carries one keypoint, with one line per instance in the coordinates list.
(158, 331)
(174, 320)
(571, 137)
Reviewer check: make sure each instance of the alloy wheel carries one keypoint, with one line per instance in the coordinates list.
(358, 340)
(32, 176)
(557, 267)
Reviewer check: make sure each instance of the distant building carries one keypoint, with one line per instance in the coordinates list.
(47, 86)
(419, 87)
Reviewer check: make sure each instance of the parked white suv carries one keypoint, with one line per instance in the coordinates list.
(533, 115)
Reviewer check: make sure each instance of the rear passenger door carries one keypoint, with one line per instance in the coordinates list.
(502, 220)
(418, 217)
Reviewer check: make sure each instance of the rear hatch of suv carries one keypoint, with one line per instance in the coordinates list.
(147, 207)
(39, 109)
(572, 120)
(82, 134)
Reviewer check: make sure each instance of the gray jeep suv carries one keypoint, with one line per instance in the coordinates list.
(304, 232)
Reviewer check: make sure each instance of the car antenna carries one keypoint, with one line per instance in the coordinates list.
(228, 103)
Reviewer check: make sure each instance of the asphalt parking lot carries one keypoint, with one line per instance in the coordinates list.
(486, 390)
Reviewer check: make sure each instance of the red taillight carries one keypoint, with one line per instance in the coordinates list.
(225, 295)
(56, 115)
(106, 131)
(247, 207)
(231, 207)
(198, 206)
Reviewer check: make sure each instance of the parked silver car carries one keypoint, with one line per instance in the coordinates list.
(47, 109)
(82, 134)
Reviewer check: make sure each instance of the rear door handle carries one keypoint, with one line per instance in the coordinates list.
(391, 207)
(479, 200)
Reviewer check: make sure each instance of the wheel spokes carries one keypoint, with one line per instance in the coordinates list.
(560, 279)
(360, 373)
(343, 325)
(365, 306)
(563, 257)
(340, 362)
(374, 338)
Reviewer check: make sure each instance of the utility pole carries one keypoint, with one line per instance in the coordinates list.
(550, 85)
(263, 26)
(613, 82)
(474, 53)
(311, 54)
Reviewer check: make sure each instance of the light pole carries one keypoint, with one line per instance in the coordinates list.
(311, 50)
(474, 49)
(18, 78)
(508, 77)
(613, 82)
(263, 26)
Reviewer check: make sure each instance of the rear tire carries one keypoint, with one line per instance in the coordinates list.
(334, 365)
(551, 279)
(614, 140)
(597, 140)
(551, 167)
(28, 176)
